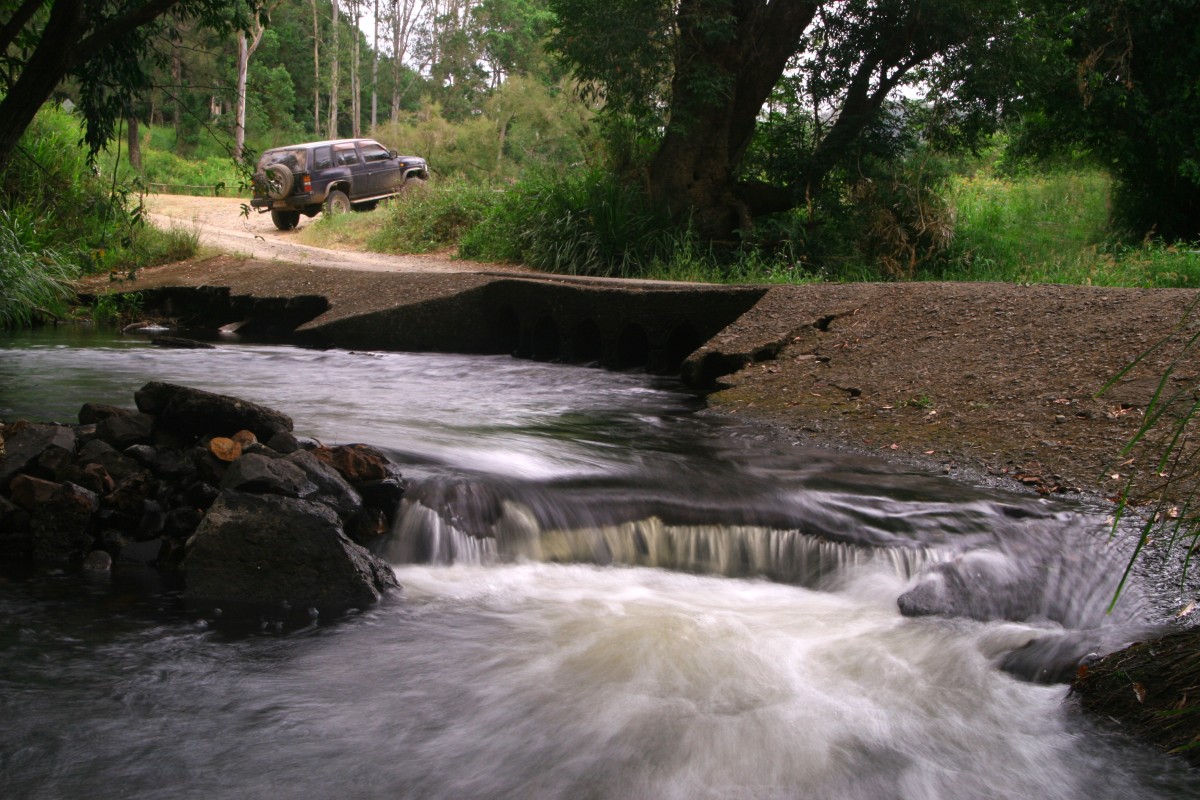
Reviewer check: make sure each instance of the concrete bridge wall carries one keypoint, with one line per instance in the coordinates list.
(619, 325)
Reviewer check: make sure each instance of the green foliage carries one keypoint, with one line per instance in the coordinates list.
(117, 309)
(75, 216)
(583, 223)
(165, 171)
(1124, 87)
(1034, 223)
(428, 218)
(33, 278)
(523, 125)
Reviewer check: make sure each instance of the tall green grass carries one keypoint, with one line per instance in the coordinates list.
(34, 279)
(1054, 228)
(60, 217)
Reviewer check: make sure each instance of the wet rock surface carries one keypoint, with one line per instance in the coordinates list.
(1150, 690)
(256, 529)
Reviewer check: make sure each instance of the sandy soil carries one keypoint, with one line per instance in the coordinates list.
(991, 380)
(221, 225)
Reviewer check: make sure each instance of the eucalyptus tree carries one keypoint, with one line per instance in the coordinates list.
(106, 46)
(695, 75)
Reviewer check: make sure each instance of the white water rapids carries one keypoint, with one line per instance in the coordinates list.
(558, 659)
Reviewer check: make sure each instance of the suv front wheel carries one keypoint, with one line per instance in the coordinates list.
(337, 203)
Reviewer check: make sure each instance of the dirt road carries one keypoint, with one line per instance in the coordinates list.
(220, 224)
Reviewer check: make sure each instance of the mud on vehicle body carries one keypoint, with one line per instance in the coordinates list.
(333, 176)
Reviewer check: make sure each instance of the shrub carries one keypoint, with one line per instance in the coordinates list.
(430, 217)
(585, 223)
(33, 278)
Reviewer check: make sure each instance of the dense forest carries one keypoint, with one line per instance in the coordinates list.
(800, 140)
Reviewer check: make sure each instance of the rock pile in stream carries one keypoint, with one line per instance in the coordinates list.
(213, 489)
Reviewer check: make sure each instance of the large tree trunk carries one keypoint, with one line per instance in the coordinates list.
(693, 173)
(42, 72)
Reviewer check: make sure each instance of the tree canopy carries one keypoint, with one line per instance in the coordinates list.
(1124, 83)
(105, 45)
(701, 71)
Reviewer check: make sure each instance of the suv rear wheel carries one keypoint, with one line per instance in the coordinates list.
(285, 220)
(337, 203)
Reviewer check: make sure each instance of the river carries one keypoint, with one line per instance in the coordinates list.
(605, 595)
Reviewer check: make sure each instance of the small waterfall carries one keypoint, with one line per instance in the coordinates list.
(511, 531)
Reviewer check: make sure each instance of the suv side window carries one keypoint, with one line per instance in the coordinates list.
(322, 159)
(373, 151)
(345, 154)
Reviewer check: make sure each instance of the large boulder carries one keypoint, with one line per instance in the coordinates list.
(62, 528)
(25, 442)
(195, 413)
(273, 551)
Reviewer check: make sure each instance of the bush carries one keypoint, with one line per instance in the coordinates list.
(428, 217)
(585, 223)
(33, 278)
(61, 216)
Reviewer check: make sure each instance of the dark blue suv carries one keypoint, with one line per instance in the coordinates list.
(332, 176)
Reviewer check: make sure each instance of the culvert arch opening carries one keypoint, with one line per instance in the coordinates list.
(633, 347)
(586, 342)
(546, 344)
(506, 331)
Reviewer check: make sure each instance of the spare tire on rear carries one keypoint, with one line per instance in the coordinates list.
(279, 181)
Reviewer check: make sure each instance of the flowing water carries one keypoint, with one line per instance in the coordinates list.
(605, 596)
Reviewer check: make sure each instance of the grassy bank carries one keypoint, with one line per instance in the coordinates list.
(60, 218)
(1052, 228)
(1041, 228)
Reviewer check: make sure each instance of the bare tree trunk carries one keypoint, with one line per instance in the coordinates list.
(333, 77)
(316, 71)
(403, 13)
(135, 141)
(176, 84)
(246, 48)
(243, 69)
(375, 72)
(355, 89)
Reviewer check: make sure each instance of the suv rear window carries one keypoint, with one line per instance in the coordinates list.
(322, 159)
(296, 160)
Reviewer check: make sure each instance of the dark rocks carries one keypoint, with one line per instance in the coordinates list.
(1149, 690)
(256, 473)
(24, 443)
(144, 491)
(125, 430)
(92, 413)
(62, 527)
(194, 412)
(331, 488)
(268, 550)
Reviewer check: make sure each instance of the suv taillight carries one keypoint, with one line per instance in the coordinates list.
(306, 182)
